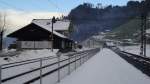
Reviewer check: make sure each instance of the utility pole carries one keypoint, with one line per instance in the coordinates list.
(1, 40)
(142, 43)
(145, 39)
(143, 29)
(53, 21)
(2, 30)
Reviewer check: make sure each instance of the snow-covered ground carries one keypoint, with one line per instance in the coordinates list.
(28, 54)
(106, 68)
(136, 49)
(83, 49)
(34, 54)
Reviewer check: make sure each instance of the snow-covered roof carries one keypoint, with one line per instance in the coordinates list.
(148, 31)
(46, 23)
(56, 33)
(110, 44)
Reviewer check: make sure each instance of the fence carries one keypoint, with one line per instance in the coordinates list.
(48, 70)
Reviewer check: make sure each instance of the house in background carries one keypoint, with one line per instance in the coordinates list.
(61, 26)
(38, 35)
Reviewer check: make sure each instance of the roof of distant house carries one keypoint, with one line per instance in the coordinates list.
(49, 30)
(60, 25)
(56, 33)
(46, 23)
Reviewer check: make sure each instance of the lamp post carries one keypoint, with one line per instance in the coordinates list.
(143, 28)
(1, 40)
(53, 21)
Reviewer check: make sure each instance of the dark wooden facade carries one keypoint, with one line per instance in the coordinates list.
(33, 32)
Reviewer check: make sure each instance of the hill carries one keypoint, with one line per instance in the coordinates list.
(129, 30)
(89, 20)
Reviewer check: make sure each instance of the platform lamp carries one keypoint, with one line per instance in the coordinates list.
(144, 8)
(53, 21)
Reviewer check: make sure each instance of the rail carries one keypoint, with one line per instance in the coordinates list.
(137, 56)
(139, 62)
(46, 66)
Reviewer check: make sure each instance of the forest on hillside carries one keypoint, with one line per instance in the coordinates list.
(89, 19)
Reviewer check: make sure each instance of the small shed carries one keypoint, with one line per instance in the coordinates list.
(34, 36)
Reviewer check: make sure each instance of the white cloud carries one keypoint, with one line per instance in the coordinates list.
(17, 19)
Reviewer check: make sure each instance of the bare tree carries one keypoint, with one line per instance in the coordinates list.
(2, 28)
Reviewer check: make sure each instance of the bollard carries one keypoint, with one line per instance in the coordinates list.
(41, 71)
(58, 69)
(86, 58)
(83, 59)
(75, 62)
(0, 74)
(58, 57)
(80, 59)
(69, 65)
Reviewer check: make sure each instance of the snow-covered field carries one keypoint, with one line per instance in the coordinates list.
(28, 54)
(136, 49)
(34, 54)
(106, 68)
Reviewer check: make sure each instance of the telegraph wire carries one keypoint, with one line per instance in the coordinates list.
(56, 6)
(10, 5)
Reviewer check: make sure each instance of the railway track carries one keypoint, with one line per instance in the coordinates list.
(140, 62)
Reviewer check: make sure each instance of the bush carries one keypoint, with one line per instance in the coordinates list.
(80, 46)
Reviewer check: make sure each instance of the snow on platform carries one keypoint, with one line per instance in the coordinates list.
(106, 68)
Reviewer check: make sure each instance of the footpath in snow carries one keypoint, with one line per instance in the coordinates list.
(106, 68)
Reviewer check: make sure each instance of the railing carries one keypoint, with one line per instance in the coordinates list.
(43, 70)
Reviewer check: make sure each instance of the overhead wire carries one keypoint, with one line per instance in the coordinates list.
(13, 6)
(16, 8)
(10, 5)
(56, 6)
(38, 5)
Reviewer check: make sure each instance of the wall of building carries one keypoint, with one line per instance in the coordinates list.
(34, 44)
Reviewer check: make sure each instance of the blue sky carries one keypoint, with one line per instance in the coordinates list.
(52, 5)
(21, 12)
